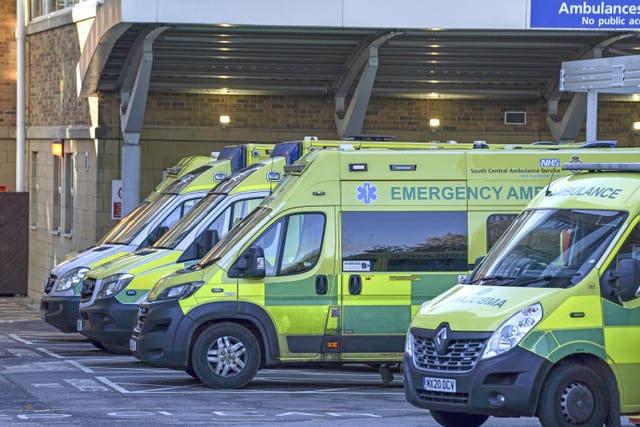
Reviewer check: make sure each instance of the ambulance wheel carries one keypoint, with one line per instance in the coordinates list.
(191, 372)
(458, 419)
(573, 395)
(226, 355)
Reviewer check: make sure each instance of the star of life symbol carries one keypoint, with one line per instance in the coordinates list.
(367, 193)
(442, 341)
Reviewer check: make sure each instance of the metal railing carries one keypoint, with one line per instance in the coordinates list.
(44, 7)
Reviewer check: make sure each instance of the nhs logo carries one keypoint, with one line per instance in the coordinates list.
(549, 163)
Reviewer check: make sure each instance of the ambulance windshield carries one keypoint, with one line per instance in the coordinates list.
(549, 248)
(129, 227)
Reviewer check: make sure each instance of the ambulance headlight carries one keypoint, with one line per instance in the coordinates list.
(72, 279)
(511, 332)
(408, 345)
(180, 291)
(113, 284)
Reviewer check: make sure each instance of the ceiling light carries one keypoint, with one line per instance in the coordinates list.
(636, 125)
(434, 122)
(225, 120)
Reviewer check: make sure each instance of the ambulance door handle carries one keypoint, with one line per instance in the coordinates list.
(355, 284)
(322, 284)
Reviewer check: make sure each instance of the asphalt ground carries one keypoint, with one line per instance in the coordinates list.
(48, 378)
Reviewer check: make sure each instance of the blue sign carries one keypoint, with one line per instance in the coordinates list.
(585, 14)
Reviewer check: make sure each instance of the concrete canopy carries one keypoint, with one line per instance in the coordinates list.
(251, 47)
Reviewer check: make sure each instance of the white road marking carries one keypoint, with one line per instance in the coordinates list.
(17, 338)
(84, 384)
(80, 366)
(50, 353)
(113, 385)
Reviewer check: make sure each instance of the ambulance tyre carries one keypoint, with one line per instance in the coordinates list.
(191, 372)
(226, 355)
(457, 419)
(573, 395)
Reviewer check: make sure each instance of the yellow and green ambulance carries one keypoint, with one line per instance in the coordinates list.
(111, 292)
(548, 324)
(332, 266)
(140, 228)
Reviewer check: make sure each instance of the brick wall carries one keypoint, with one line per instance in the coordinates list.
(7, 93)
(7, 63)
(51, 90)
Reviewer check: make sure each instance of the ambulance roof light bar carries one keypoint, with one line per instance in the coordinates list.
(602, 167)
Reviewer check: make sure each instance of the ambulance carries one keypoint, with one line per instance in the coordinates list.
(331, 267)
(140, 228)
(111, 292)
(548, 324)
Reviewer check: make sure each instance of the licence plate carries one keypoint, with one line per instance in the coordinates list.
(132, 345)
(445, 385)
(79, 325)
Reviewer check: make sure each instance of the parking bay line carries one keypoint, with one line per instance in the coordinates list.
(199, 388)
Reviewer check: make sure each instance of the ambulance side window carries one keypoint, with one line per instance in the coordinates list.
(623, 289)
(207, 238)
(631, 247)
(292, 245)
(243, 208)
(404, 241)
(497, 224)
(177, 213)
(303, 243)
(269, 241)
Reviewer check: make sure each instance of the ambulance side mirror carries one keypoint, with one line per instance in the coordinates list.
(250, 265)
(625, 280)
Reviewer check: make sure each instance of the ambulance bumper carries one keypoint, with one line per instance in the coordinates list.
(60, 312)
(507, 385)
(108, 321)
(159, 337)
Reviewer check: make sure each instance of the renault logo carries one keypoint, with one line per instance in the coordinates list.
(442, 341)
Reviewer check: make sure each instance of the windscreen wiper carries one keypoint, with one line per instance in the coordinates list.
(490, 278)
(547, 277)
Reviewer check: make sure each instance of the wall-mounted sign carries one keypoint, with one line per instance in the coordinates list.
(116, 199)
(585, 14)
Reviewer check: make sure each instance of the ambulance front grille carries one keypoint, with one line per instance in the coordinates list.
(460, 355)
(443, 397)
(88, 285)
(48, 285)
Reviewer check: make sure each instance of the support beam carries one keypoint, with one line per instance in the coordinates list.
(133, 102)
(620, 74)
(351, 121)
(567, 128)
(21, 139)
(592, 115)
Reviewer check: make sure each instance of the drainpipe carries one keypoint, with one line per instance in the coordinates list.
(20, 92)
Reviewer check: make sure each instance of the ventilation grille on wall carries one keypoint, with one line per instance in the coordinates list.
(515, 118)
